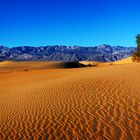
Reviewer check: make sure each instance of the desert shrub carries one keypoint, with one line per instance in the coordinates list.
(136, 54)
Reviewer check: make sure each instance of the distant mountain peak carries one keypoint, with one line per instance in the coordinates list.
(102, 53)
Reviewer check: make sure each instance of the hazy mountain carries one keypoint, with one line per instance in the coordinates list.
(104, 53)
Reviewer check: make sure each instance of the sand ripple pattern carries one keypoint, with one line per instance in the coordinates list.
(84, 104)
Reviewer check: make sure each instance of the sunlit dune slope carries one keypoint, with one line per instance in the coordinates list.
(20, 66)
(86, 103)
(96, 63)
(124, 61)
(91, 63)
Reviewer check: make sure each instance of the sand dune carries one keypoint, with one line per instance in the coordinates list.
(10, 66)
(127, 60)
(100, 103)
(91, 63)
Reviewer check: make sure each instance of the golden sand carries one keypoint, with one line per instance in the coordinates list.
(124, 61)
(90, 103)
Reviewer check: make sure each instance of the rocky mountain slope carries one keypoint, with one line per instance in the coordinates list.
(103, 53)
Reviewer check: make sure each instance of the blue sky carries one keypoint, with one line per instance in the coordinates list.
(69, 22)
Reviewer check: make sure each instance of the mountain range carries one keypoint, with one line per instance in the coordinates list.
(103, 53)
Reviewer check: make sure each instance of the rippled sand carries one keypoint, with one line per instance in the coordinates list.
(100, 103)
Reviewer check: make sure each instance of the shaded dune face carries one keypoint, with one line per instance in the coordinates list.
(9, 66)
(71, 65)
(90, 103)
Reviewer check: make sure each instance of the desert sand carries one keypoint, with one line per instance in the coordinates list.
(44, 100)
(124, 61)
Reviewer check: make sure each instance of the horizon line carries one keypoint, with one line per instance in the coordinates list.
(67, 46)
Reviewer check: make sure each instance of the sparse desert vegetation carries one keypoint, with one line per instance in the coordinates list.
(136, 54)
